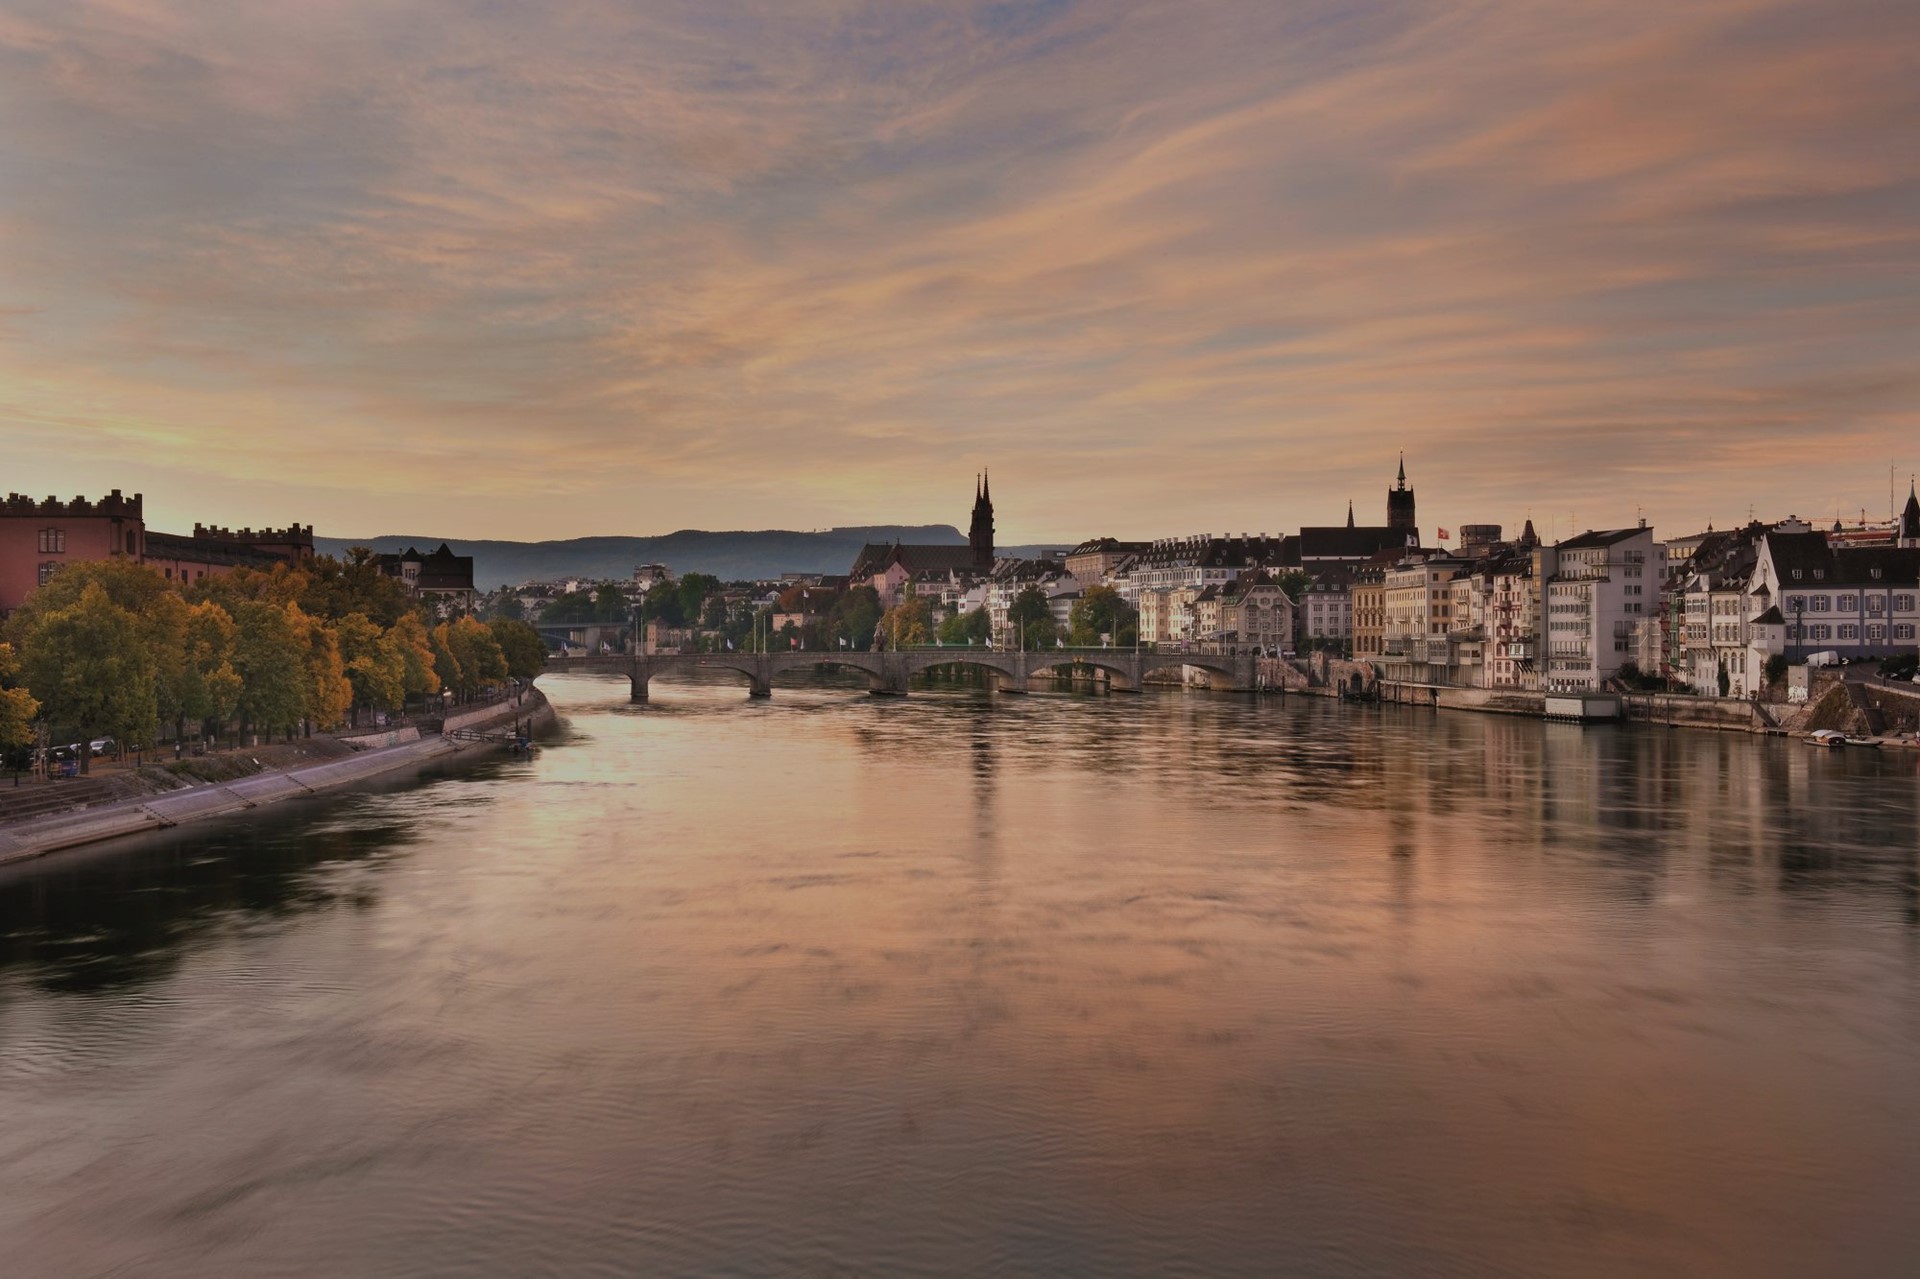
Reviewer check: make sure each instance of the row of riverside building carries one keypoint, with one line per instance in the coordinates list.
(1704, 612)
(40, 537)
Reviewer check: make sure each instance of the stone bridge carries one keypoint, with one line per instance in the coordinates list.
(1124, 670)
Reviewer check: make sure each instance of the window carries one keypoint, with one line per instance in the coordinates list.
(1903, 630)
(1875, 604)
(1849, 603)
(1848, 631)
(1819, 603)
(1903, 603)
(1876, 633)
(1796, 575)
(47, 570)
(53, 541)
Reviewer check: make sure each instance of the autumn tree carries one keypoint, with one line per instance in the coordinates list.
(210, 687)
(87, 667)
(908, 623)
(17, 709)
(409, 640)
(336, 589)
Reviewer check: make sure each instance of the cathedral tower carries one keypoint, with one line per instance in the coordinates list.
(980, 532)
(1400, 504)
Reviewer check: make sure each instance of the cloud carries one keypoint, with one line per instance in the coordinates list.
(585, 267)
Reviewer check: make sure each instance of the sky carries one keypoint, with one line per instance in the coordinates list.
(590, 267)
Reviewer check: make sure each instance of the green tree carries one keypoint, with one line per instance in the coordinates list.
(1031, 618)
(88, 668)
(1295, 583)
(853, 618)
(525, 652)
(966, 628)
(269, 654)
(693, 590)
(1100, 611)
(567, 609)
(609, 605)
(467, 655)
(510, 608)
(662, 605)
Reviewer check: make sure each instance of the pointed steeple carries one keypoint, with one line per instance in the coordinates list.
(1403, 472)
(1527, 536)
(980, 531)
(1349, 512)
(1910, 518)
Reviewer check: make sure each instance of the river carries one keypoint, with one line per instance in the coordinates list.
(961, 984)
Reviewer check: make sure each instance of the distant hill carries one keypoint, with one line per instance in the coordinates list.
(728, 556)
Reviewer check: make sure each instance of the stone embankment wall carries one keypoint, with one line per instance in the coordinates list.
(1694, 712)
(213, 799)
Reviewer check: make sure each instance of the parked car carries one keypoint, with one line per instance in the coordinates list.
(101, 746)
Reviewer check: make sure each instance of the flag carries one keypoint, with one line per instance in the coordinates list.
(1445, 536)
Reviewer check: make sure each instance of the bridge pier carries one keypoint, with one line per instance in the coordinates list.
(637, 684)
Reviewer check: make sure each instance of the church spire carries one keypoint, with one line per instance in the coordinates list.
(1349, 512)
(1403, 472)
(980, 531)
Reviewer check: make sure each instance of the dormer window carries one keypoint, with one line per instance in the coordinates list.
(1875, 571)
(1796, 575)
(1819, 574)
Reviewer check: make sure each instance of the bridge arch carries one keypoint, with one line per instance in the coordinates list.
(1119, 671)
(1002, 669)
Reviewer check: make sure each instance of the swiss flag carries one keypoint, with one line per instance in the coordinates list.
(1445, 536)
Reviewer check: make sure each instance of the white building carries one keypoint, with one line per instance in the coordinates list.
(1602, 592)
(1855, 601)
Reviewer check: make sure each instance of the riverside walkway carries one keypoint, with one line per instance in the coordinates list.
(890, 671)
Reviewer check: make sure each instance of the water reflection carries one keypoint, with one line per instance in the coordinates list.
(969, 984)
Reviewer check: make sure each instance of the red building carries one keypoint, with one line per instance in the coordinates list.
(38, 538)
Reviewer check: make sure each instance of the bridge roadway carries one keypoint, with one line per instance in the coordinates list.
(891, 670)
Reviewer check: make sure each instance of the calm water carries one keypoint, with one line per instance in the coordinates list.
(958, 985)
